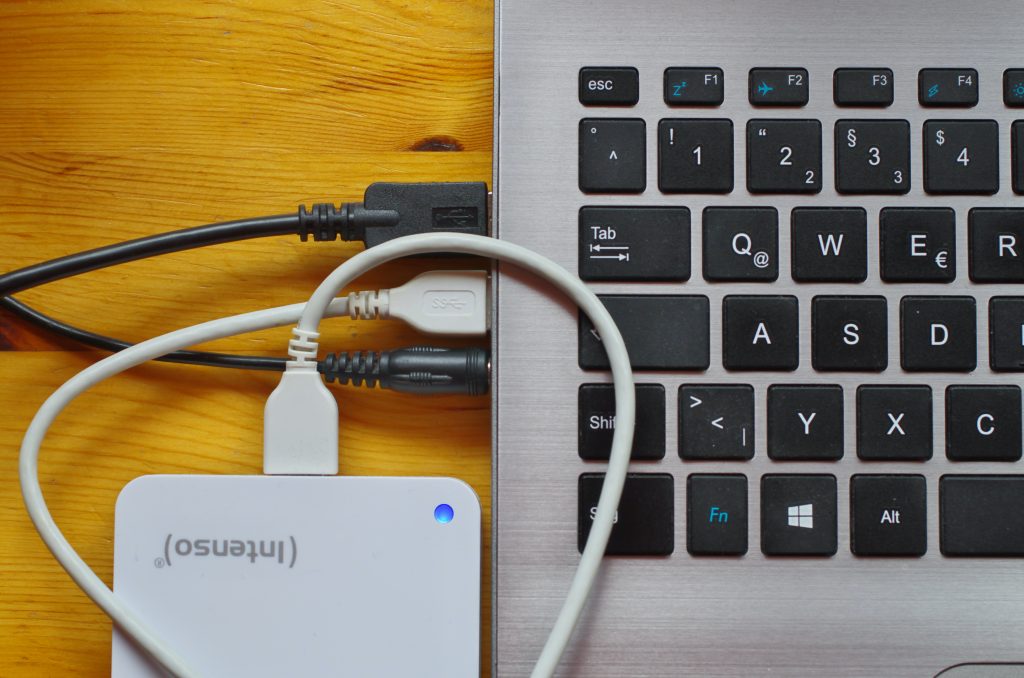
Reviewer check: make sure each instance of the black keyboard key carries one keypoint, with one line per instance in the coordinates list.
(741, 244)
(645, 520)
(716, 421)
(1013, 87)
(981, 515)
(597, 421)
(894, 423)
(938, 334)
(634, 243)
(849, 334)
(961, 156)
(996, 237)
(716, 515)
(612, 155)
(872, 156)
(694, 86)
(862, 87)
(947, 87)
(798, 515)
(983, 423)
(805, 422)
(778, 86)
(760, 333)
(829, 244)
(1006, 334)
(609, 86)
(695, 156)
(661, 332)
(1017, 141)
(918, 244)
(784, 156)
(888, 515)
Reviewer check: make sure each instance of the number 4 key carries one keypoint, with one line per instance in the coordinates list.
(961, 156)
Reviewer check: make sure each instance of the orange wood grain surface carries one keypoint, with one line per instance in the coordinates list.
(120, 119)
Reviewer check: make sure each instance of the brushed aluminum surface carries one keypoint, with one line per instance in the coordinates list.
(749, 616)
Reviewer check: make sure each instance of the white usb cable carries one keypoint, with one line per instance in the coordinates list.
(320, 305)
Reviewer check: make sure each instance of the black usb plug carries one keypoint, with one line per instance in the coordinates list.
(392, 210)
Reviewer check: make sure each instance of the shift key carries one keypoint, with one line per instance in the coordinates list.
(634, 243)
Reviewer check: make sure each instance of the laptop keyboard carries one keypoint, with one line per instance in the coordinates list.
(761, 333)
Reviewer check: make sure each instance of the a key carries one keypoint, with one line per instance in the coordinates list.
(1017, 141)
(938, 334)
(634, 243)
(894, 423)
(981, 515)
(784, 156)
(872, 156)
(694, 86)
(798, 515)
(849, 334)
(609, 86)
(1006, 334)
(760, 333)
(918, 244)
(996, 249)
(716, 514)
(644, 521)
(805, 422)
(1013, 86)
(983, 423)
(716, 421)
(829, 244)
(597, 421)
(947, 87)
(612, 155)
(961, 156)
(695, 156)
(862, 87)
(662, 332)
(741, 243)
(888, 515)
(778, 86)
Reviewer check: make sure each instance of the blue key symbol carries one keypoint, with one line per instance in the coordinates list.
(1018, 90)
(932, 91)
(717, 515)
(764, 88)
(679, 87)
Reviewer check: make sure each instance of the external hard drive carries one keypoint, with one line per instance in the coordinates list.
(301, 576)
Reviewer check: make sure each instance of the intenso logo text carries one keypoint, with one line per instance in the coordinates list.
(282, 552)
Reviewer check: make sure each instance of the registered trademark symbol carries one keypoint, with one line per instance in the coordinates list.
(159, 563)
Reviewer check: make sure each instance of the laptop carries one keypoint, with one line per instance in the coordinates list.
(807, 219)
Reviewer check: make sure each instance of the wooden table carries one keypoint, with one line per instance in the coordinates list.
(121, 119)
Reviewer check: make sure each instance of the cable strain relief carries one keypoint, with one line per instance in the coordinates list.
(303, 349)
(326, 222)
(358, 368)
(369, 304)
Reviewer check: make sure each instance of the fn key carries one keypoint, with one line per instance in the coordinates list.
(644, 522)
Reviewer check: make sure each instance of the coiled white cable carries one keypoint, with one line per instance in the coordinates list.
(321, 304)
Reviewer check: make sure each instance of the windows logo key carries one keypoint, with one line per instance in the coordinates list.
(801, 516)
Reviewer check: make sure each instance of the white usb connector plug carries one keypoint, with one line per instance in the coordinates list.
(436, 302)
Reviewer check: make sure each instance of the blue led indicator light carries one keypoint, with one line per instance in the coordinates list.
(443, 513)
